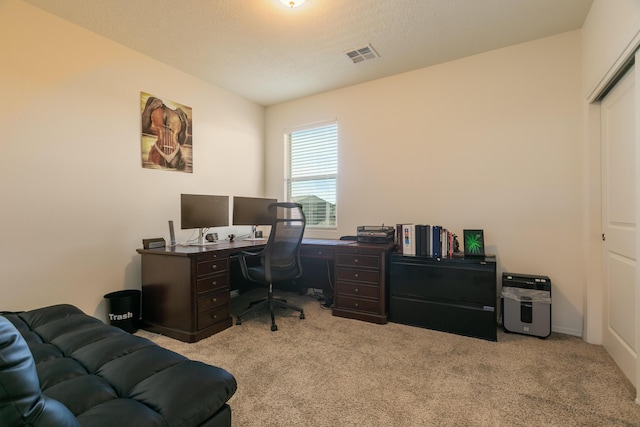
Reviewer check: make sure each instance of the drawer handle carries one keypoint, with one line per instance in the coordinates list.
(356, 304)
(356, 289)
(319, 252)
(355, 275)
(214, 299)
(214, 266)
(355, 260)
(215, 282)
(214, 316)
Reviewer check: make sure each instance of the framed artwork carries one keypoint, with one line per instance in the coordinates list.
(166, 137)
(473, 242)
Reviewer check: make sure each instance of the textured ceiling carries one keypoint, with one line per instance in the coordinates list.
(270, 53)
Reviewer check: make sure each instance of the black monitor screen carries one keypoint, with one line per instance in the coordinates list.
(251, 210)
(203, 211)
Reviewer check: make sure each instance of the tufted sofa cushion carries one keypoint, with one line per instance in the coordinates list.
(107, 377)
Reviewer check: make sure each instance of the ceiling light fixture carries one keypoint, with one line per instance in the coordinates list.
(292, 3)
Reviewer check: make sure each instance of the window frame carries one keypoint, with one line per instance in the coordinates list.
(289, 180)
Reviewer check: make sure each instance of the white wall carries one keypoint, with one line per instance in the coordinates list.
(492, 141)
(76, 202)
(608, 33)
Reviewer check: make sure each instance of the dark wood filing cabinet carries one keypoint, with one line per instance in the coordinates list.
(185, 295)
(455, 295)
(361, 277)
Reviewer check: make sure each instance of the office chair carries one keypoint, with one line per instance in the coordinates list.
(279, 260)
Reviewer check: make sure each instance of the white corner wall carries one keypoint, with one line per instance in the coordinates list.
(609, 33)
(493, 141)
(76, 202)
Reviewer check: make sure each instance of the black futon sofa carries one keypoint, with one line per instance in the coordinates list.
(60, 367)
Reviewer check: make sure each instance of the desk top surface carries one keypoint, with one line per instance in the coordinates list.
(243, 245)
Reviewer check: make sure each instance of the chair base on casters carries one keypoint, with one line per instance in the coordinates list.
(272, 303)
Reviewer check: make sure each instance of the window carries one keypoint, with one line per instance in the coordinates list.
(313, 172)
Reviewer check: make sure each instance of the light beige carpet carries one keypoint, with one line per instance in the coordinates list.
(330, 371)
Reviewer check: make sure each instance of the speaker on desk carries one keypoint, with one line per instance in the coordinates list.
(172, 234)
(155, 243)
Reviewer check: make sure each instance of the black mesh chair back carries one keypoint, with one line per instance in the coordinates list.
(282, 253)
(280, 258)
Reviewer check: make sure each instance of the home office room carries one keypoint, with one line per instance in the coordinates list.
(484, 127)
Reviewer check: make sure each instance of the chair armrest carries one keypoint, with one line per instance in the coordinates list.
(242, 259)
(247, 253)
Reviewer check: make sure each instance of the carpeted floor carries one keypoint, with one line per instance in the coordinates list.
(330, 371)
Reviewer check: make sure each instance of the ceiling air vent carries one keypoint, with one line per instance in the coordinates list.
(362, 53)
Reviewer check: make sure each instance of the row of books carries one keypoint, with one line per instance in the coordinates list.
(425, 240)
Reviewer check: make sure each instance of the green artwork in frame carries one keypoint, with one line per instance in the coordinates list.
(473, 242)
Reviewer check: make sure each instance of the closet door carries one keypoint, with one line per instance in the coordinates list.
(619, 175)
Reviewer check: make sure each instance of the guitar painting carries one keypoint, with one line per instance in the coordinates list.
(166, 134)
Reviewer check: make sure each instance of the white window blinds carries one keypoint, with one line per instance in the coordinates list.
(313, 172)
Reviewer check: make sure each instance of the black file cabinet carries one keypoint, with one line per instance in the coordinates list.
(456, 295)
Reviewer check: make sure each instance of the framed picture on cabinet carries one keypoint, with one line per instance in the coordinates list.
(473, 242)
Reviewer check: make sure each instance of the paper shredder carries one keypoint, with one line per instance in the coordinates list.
(526, 304)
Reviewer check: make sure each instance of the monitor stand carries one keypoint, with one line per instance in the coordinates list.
(253, 235)
(201, 240)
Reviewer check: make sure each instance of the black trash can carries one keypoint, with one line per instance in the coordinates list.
(123, 309)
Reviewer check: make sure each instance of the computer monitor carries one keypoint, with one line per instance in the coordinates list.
(252, 211)
(203, 211)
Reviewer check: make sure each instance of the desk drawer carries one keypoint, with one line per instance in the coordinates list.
(211, 256)
(358, 290)
(311, 252)
(354, 303)
(219, 281)
(357, 275)
(357, 260)
(212, 300)
(211, 266)
(211, 317)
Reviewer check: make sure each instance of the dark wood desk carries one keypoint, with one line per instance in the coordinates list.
(186, 289)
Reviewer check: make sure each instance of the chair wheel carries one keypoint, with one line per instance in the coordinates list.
(301, 315)
(274, 328)
(238, 322)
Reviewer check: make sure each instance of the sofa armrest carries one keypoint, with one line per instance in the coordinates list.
(21, 401)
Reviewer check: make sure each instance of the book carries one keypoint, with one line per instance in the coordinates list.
(444, 242)
(408, 239)
(418, 237)
(437, 240)
(426, 239)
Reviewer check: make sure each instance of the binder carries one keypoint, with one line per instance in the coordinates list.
(426, 246)
(399, 238)
(419, 233)
(408, 239)
(437, 242)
